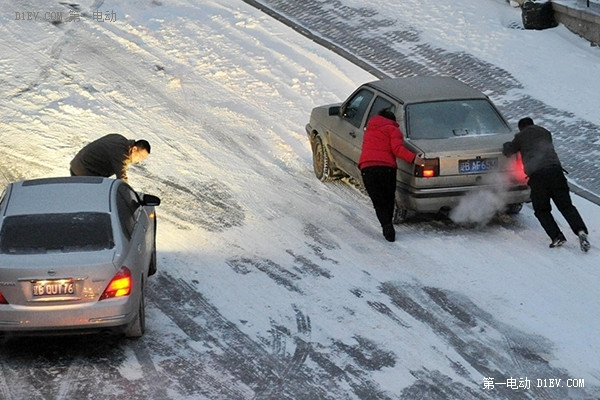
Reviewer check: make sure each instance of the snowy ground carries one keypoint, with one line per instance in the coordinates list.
(273, 285)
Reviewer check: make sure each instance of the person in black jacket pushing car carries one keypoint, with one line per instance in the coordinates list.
(546, 181)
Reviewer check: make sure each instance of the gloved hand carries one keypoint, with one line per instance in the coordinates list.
(507, 149)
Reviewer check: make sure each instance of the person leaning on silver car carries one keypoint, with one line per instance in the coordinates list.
(109, 155)
(382, 143)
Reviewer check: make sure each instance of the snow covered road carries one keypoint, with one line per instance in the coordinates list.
(271, 284)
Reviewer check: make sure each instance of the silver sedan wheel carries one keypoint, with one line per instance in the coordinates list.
(321, 160)
(137, 329)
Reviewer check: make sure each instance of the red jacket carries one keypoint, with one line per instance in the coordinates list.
(382, 143)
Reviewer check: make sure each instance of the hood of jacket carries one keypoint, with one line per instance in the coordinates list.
(378, 122)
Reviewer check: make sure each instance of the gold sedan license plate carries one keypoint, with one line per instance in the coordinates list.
(477, 165)
(53, 288)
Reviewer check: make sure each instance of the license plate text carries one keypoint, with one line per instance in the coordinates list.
(53, 288)
(477, 165)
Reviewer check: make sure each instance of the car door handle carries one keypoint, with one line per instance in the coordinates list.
(352, 134)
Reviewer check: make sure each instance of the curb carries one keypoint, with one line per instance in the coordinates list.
(580, 19)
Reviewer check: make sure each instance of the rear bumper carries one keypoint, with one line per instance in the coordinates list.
(111, 316)
(434, 200)
(105, 331)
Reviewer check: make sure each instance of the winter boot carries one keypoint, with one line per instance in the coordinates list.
(584, 243)
(558, 240)
(389, 233)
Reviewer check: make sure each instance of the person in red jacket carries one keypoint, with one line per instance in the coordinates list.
(382, 144)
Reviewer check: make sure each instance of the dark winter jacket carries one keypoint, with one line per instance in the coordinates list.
(537, 150)
(106, 156)
(382, 143)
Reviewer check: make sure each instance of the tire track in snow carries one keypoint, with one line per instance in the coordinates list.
(4, 388)
(209, 204)
(74, 367)
(233, 364)
(67, 387)
(222, 362)
(15, 166)
(292, 367)
(280, 274)
(485, 345)
(274, 271)
(385, 310)
(153, 380)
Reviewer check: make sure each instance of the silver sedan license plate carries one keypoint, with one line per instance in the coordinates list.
(477, 165)
(53, 288)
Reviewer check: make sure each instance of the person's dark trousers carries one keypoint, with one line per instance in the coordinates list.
(380, 183)
(551, 184)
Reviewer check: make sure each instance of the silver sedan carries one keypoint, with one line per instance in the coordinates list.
(75, 256)
(456, 129)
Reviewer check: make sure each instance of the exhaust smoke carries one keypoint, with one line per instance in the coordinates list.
(480, 206)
